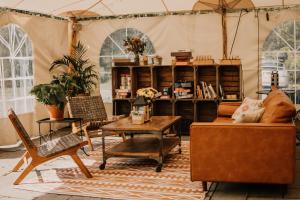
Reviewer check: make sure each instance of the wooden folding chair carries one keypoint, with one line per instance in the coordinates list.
(91, 109)
(67, 145)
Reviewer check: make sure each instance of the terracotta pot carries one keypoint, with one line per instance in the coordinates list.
(55, 113)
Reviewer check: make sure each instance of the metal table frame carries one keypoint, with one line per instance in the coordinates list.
(51, 131)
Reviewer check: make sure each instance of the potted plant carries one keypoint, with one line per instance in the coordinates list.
(53, 96)
(79, 76)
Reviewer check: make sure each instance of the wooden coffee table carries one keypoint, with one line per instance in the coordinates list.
(146, 147)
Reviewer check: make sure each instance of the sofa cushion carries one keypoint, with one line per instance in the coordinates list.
(223, 120)
(278, 108)
(250, 116)
(248, 105)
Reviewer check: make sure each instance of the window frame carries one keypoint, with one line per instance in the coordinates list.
(150, 51)
(292, 50)
(13, 56)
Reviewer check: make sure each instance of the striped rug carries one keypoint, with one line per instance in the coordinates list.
(123, 178)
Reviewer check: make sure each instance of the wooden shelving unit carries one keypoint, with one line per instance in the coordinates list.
(159, 77)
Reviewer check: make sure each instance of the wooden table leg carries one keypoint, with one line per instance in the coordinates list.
(102, 166)
(160, 159)
(179, 136)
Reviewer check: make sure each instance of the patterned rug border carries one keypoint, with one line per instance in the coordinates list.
(70, 181)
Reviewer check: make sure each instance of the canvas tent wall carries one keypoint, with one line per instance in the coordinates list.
(200, 32)
(49, 40)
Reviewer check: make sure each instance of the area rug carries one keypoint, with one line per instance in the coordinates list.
(123, 178)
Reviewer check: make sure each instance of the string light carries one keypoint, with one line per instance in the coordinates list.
(159, 14)
(188, 12)
(6, 10)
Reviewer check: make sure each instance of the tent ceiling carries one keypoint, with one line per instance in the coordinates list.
(117, 7)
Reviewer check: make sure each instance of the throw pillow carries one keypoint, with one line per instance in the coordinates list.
(247, 105)
(278, 108)
(250, 116)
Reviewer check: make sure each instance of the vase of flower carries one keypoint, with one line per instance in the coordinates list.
(148, 95)
(136, 46)
(136, 59)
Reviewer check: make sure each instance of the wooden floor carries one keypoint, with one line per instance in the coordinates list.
(224, 191)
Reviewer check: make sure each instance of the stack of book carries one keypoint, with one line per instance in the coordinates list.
(184, 90)
(206, 91)
(182, 57)
(125, 87)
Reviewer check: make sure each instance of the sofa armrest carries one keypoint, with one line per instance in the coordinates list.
(243, 152)
(226, 109)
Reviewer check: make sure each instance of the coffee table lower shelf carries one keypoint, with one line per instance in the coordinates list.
(144, 147)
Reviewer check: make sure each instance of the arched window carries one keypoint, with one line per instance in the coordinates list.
(16, 70)
(281, 52)
(113, 47)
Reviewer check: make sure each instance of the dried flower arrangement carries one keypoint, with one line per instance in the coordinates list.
(135, 45)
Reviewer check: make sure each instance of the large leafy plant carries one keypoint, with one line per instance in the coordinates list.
(50, 94)
(79, 76)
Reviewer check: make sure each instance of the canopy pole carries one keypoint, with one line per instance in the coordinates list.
(224, 33)
(72, 34)
(73, 28)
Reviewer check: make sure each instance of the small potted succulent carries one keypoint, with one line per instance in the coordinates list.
(53, 96)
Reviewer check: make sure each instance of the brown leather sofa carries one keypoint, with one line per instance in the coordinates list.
(223, 151)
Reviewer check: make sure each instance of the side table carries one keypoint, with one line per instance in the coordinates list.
(51, 131)
(50, 122)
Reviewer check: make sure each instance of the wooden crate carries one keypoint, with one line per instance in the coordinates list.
(163, 108)
(208, 74)
(162, 78)
(230, 77)
(122, 107)
(141, 78)
(185, 108)
(116, 78)
(206, 111)
(159, 77)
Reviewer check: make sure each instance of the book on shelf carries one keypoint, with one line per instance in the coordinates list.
(122, 90)
(183, 92)
(205, 91)
(165, 97)
(199, 92)
(186, 96)
(212, 91)
(221, 91)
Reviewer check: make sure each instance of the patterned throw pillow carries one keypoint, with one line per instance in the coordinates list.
(250, 116)
(248, 105)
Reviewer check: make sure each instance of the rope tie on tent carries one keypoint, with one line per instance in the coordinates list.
(236, 30)
(258, 51)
